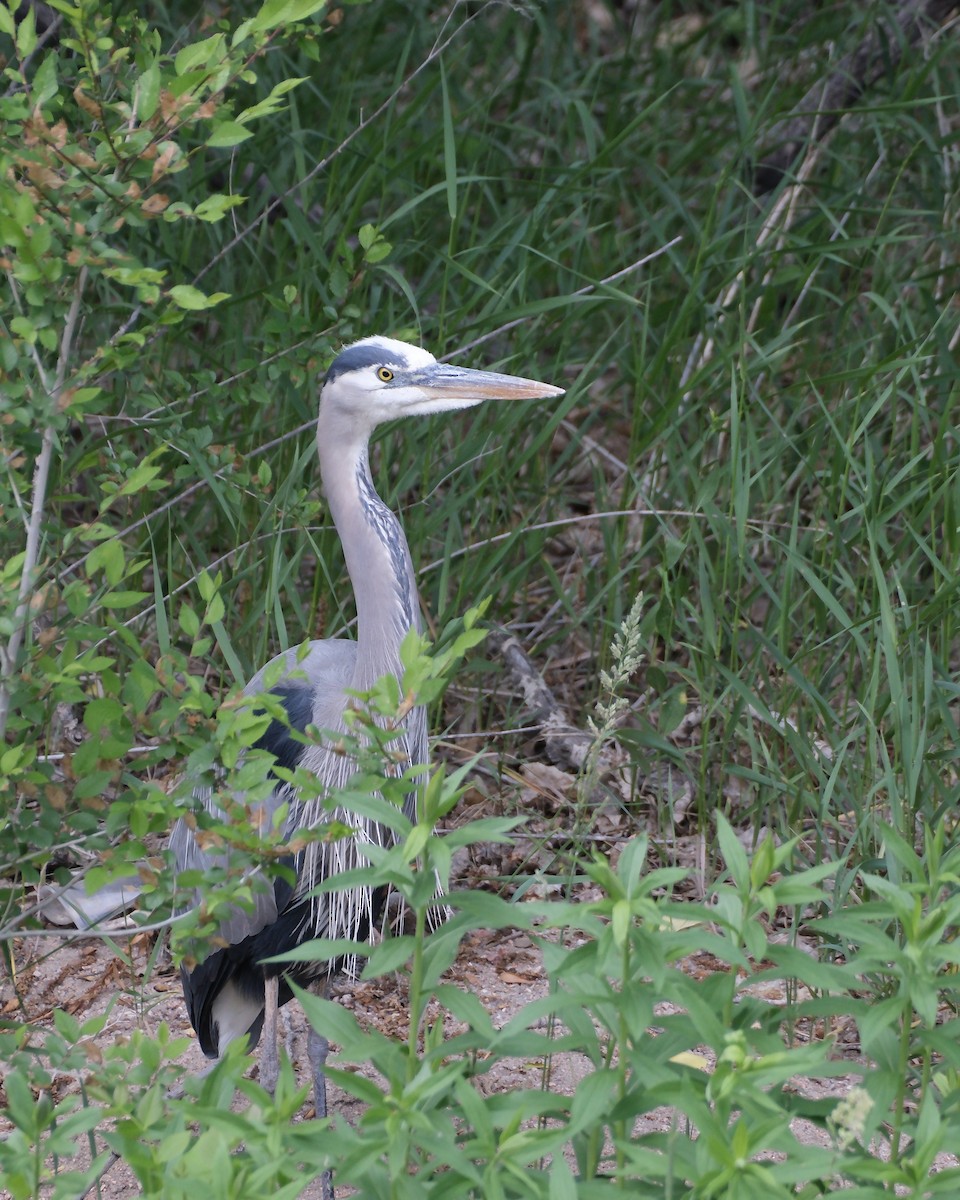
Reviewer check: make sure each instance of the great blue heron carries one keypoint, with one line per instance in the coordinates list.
(233, 993)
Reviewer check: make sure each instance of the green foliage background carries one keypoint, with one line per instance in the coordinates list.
(759, 433)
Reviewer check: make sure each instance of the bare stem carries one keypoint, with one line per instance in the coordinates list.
(41, 477)
(584, 291)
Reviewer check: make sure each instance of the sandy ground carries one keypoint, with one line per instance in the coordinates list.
(86, 980)
(502, 969)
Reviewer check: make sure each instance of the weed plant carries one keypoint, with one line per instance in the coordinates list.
(759, 434)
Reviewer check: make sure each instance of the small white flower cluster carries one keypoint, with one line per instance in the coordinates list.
(849, 1119)
(626, 651)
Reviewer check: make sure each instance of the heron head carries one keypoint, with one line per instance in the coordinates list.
(379, 378)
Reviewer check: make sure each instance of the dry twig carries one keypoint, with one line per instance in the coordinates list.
(825, 103)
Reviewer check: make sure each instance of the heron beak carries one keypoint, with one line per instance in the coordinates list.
(441, 381)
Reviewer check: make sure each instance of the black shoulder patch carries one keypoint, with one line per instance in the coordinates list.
(298, 701)
(355, 358)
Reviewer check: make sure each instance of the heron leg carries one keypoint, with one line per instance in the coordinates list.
(317, 1049)
(269, 1057)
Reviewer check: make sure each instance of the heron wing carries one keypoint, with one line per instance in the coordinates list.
(256, 932)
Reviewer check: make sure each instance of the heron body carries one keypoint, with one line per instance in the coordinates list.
(374, 380)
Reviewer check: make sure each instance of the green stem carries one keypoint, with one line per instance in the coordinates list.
(416, 992)
(902, 1076)
(619, 1130)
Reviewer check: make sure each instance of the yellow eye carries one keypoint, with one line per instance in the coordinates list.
(384, 374)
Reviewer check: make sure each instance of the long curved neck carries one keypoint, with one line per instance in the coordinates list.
(375, 549)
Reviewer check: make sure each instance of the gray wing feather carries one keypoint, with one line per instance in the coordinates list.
(326, 669)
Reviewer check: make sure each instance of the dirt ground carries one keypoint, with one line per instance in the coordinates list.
(502, 969)
(86, 979)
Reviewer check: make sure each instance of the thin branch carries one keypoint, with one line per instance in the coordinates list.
(559, 523)
(103, 934)
(585, 519)
(777, 221)
(41, 476)
(185, 494)
(566, 744)
(584, 291)
(826, 103)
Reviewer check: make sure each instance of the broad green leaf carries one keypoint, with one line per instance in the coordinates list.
(141, 478)
(199, 55)
(76, 398)
(213, 208)
(228, 133)
(148, 92)
(109, 557)
(185, 295)
(188, 621)
(45, 81)
(272, 102)
(391, 955)
(378, 252)
(126, 599)
(282, 12)
(26, 37)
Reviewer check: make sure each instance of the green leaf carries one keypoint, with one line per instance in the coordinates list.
(416, 841)
(45, 81)
(465, 1007)
(25, 328)
(216, 610)
(199, 55)
(378, 252)
(207, 585)
(563, 1185)
(109, 557)
(122, 599)
(375, 248)
(321, 950)
(66, 1024)
(734, 854)
(215, 207)
(26, 38)
(111, 734)
(228, 133)
(591, 1100)
(227, 650)
(271, 103)
(185, 295)
(140, 479)
(148, 92)
(75, 399)
(491, 911)
(620, 921)
(325, 1014)
(390, 955)
(282, 12)
(188, 621)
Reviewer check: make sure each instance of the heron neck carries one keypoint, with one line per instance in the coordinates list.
(376, 553)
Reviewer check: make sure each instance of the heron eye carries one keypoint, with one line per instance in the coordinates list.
(384, 374)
